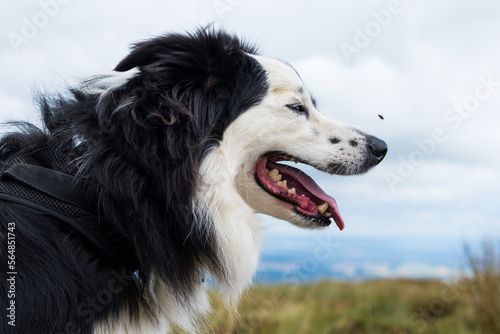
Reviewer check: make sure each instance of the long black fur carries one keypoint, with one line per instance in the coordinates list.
(139, 147)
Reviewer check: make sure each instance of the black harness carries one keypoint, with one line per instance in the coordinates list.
(44, 179)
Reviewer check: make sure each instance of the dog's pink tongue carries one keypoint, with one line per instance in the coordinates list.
(308, 183)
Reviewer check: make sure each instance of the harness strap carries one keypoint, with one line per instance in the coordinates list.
(49, 181)
(60, 195)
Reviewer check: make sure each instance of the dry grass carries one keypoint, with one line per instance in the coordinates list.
(384, 306)
(483, 286)
(468, 306)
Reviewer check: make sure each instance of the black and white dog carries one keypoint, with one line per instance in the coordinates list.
(149, 177)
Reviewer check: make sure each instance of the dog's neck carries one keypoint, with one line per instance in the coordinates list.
(238, 232)
(238, 238)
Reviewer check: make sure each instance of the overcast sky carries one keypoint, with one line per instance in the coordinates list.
(431, 69)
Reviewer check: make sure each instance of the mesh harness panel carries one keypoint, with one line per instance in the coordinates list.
(44, 179)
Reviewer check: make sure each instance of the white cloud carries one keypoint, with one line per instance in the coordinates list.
(356, 93)
(410, 270)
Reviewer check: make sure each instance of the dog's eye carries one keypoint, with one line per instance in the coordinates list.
(297, 107)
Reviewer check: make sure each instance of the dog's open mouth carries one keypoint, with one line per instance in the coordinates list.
(293, 186)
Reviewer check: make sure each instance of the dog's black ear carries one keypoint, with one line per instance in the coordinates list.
(143, 53)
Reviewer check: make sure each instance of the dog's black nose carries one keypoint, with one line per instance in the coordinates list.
(378, 147)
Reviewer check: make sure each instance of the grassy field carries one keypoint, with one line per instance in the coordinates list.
(386, 306)
(469, 306)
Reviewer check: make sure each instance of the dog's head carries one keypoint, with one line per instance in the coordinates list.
(286, 126)
(215, 93)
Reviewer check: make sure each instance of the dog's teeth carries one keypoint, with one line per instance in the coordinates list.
(282, 184)
(267, 171)
(292, 191)
(323, 207)
(274, 175)
(328, 214)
